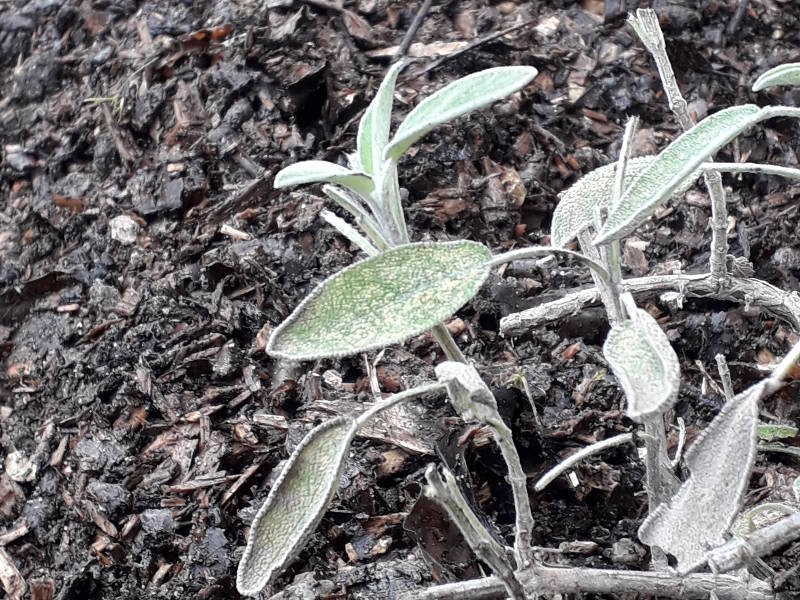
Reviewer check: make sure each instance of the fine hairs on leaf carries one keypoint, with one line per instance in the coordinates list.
(382, 300)
(295, 504)
(321, 171)
(576, 206)
(460, 97)
(720, 461)
(373, 129)
(640, 355)
(676, 163)
(786, 74)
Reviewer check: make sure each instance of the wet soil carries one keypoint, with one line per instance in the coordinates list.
(144, 258)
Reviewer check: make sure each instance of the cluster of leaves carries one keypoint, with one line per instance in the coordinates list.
(403, 289)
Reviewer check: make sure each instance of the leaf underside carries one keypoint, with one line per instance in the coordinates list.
(679, 161)
(697, 518)
(787, 74)
(644, 362)
(460, 97)
(383, 300)
(577, 204)
(295, 505)
(322, 171)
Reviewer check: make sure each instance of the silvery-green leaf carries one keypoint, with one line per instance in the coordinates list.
(577, 204)
(699, 515)
(679, 161)
(382, 300)
(295, 504)
(468, 393)
(788, 74)
(641, 357)
(460, 97)
(322, 171)
(373, 129)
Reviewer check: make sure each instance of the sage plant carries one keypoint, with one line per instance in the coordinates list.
(404, 288)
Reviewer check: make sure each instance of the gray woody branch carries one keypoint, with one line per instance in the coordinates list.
(645, 23)
(553, 580)
(744, 290)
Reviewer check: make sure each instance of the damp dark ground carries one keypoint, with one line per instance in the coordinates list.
(144, 258)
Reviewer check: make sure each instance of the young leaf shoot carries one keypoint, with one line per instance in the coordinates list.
(459, 98)
(321, 171)
(577, 205)
(373, 129)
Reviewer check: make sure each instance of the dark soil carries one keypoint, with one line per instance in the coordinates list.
(143, 249)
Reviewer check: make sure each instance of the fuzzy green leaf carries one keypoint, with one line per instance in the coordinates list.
(382, 300)
(373, 129)
(787, 74)
(700, 514)
(295, 505)
(679, 161)
(576, 205)
(640, 355)
(322, 171)
(460, 97)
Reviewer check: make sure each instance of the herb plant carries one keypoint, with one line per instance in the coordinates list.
(403, 289)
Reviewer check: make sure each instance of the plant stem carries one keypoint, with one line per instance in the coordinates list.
(749, 291)
(740, 551)
(608, 295)
(523, 534)
(389, 402)
(445, 491)
(661, 483)
(572, 460)
(447, 343)
(746, 167)
(645, 23)
(535, 252)
(394, 202)
(565, 580)
(725, 376)
(613, 257)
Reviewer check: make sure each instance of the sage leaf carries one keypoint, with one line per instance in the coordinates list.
(679, 161)
(641, 357)
(468, 393)
(295, 505)
(322, 171)
(382, 300)
(787, 74)
(699, 515)
(577, 204)
(373, 129)
(460, 97)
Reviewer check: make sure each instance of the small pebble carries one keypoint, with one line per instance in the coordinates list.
(124, 229)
